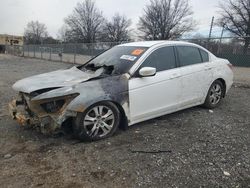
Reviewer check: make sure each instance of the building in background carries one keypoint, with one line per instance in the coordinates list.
(10, 40)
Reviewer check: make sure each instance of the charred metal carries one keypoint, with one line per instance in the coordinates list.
(68, 92)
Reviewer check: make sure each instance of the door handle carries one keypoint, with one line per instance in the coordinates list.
(208, 67)
(175, 75)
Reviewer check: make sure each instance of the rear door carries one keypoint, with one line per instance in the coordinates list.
(196, 73)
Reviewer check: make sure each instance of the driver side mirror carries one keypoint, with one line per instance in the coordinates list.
(147, 72)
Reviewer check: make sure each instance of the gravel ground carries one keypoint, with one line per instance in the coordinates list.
(196, 147)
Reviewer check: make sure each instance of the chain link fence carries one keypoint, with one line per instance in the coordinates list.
(229, 48)
(78, 53)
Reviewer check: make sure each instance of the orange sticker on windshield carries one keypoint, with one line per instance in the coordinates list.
(137, 52)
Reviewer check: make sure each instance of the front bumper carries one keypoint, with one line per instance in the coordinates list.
(45, 123)
(21, 115)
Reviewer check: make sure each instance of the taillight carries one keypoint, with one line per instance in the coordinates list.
(230, 66)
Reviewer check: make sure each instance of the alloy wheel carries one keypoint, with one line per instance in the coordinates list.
(215, 94)
(99, 121)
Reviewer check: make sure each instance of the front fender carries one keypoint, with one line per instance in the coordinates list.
(111, 89)
(83, 101)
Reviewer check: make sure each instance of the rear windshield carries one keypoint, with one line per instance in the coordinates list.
(120, 58)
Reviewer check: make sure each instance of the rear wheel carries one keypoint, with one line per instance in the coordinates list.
(98, 122)
(215, 95)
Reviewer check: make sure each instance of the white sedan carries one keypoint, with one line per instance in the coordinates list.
(127, 84)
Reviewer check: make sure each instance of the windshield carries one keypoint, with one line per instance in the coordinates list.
(118, 60)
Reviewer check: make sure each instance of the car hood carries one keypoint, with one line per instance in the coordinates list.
(56, 79)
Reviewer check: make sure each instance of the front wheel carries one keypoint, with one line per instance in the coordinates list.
(99, 121)
(215, 95)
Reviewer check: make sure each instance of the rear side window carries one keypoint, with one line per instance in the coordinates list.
(162, 59)
(204, 55)
(188, 55)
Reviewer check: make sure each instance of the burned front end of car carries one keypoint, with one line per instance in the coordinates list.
(43, 99)
(47, 115)
(50, 109)
(49, 100)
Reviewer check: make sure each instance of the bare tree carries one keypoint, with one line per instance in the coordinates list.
(64, 34)
(85, 22)
(235, 18)
(166, 19)
(35, 32)
(117, 29)
(197, 36)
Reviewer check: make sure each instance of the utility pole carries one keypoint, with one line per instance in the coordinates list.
(222, 33)
(211, 28)
(210, 32)
(221, 36)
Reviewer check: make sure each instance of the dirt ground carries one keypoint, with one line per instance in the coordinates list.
(191, 148)
(242, 75)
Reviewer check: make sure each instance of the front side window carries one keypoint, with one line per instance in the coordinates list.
(162, 59)
(188, 55)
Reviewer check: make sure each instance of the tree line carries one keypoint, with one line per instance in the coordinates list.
(161, 20)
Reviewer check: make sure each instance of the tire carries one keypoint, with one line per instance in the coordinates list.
(99, 121)
(215, 95)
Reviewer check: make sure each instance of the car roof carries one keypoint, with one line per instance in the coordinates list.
(155, 43)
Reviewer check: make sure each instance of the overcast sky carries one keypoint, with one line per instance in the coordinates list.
(15, 14)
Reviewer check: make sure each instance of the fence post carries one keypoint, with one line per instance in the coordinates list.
(234, 49)
(41, 50)
(50, 53)
(34, 51)
(92, 49)
(61, 52)
(218, 49)
(75, 53)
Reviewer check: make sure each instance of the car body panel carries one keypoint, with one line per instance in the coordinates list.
(108, 89)
(60, 78)
(152, 95)
(200, 77)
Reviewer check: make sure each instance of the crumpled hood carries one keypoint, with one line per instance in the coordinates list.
(56, 79)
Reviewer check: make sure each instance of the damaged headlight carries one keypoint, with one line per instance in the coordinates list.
(53, 106)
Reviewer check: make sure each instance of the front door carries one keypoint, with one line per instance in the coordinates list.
(154, 96)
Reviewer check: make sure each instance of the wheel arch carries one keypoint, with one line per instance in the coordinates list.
(123, 121)
(224, 85)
